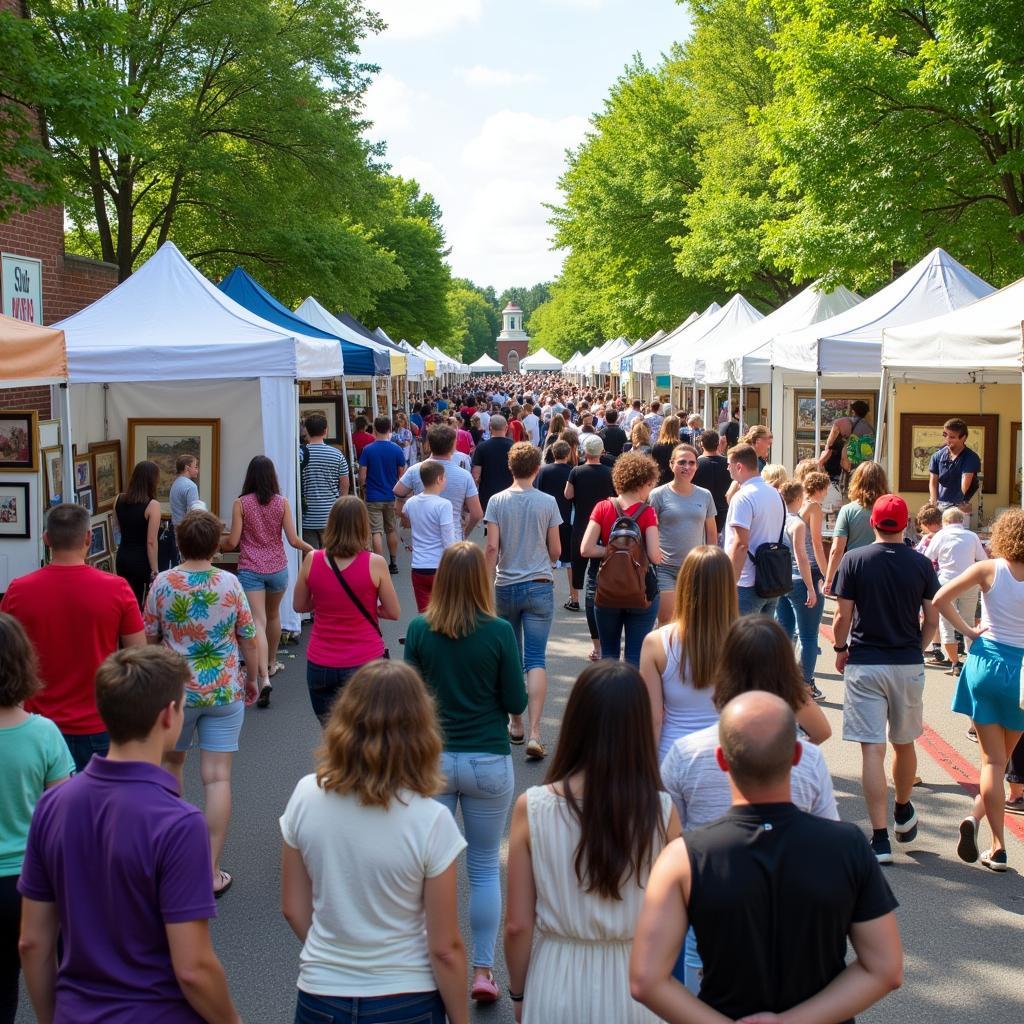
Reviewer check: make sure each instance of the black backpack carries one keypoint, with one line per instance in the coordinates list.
(773, 564)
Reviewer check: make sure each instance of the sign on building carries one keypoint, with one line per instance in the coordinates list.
(21, 287)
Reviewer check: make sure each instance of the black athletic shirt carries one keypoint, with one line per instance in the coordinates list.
(492, 458)
(590, 484)
(552, 480)
(713, 475)
(774, 893)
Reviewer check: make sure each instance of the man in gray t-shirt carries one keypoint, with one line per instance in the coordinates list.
(184, 492)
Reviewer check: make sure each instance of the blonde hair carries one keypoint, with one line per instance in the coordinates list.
(639, 433)
(669, 430)
(804, 468)
(953, 515)
(867, 484)
(775, 474)
(755, 433)
(814, 482)
(348, 528)
(706, 607)
(1008, 536)
(382, 737)
(462, 592)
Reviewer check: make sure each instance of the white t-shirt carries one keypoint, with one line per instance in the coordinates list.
(368, 866)
(430, 516)
(700, 789)
(759, 508)
(631, 415)
(485, 420)
(532, 425)
(954, 549)
(458, 486)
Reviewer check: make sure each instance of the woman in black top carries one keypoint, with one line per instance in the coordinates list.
(138, 520)
(663, 448)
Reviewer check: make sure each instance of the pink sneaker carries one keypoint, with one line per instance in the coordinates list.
(484, 989)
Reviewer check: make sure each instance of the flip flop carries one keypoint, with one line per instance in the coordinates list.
(571, 606)
(263, 700)
(594, 656)
(518, 739)
(274, 669)
(535, 750)
(217, 893)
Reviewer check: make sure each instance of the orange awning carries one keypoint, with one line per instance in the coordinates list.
(30, 353)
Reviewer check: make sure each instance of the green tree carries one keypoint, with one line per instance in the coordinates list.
(527, 299)
(474, 322)
(571, 319)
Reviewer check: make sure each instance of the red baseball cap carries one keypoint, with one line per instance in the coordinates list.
(889, 514)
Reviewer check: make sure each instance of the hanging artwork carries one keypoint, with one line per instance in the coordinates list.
(163, 440)
(19, 449)
(15, 514)
(106, 460)
(921, 437)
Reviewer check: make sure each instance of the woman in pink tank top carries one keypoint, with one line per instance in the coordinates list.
(350, 590)
(258, 518)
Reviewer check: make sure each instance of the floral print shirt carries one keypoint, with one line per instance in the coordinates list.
(201, 615)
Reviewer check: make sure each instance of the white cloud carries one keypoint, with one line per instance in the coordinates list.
(533, 145)
(390, 104)
(479, 74)
(413, 19)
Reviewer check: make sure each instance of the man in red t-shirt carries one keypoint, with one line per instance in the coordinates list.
(75, 616)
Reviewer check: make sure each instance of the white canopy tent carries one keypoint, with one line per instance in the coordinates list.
(168, 344)
(485, 364)
(621, 363)
(850, 343)
(650, 358)
(717, 329)
(598, 362)
(542, 361)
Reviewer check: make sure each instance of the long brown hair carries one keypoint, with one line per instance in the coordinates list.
(382, 737)
(669, 433)
(607, 737)
(706, 606)
(462, 592)
(757, 655)
(867, 484)
(348, 528)
(142, 484)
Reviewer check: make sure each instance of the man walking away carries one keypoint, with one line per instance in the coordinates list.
(737, 882)
(883, 626)
(75, 616)
(490, 461)
(118, 866)
(713, 475)
(613, 436)
(380, 465)
(182, 496)
(325, 478)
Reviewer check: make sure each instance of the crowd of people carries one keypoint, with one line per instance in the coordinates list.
(686, 790)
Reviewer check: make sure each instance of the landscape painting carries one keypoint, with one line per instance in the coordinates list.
(165, 451)
(106, 465)
(163, 441)
(18, 448)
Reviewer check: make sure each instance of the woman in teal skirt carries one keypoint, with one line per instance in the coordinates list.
(990, 689)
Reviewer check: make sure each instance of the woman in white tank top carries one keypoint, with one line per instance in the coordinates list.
(991, 687)
(678, 660)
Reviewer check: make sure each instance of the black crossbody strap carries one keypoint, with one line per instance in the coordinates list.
(782, 532)
(348, 590)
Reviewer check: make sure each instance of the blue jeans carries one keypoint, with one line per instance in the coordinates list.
(408, 1008)
(751, 604)
(83, 747)
(637, 622)
(324, 685)
(529, 607)
(800, 621)
(484, 785)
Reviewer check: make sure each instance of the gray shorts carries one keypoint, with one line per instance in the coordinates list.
(880, 695)
(667, 576)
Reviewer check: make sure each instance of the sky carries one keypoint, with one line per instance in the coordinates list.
(478, 101)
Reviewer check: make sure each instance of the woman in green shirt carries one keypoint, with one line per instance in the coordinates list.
(470, 661)
(853, 524)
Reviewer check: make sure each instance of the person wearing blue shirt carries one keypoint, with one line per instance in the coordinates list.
(380, 466)
(954, 470)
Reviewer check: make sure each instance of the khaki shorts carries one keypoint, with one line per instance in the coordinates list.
(880, 695)
(382, 516)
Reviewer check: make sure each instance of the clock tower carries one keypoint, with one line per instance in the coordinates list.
(513, 342)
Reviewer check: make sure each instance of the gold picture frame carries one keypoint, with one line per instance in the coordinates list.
(163, 440)
(921, 437)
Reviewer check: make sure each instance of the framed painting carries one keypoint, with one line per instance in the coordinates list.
(163, 440)
(358, 399)
(83, 471)
(921, 438)
(1015, 480)
(332, 408)
(834, 405)
(105, 563)
(49, 433)
(19, 447)
(53, 465)
(15, 514)
(87, 499)
(106, 473)
(806, 448)
(99, 537)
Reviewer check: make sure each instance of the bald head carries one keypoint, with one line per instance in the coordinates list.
(498, 426)
(757, 736)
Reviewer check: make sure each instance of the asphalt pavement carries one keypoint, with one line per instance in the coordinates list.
(962, 925)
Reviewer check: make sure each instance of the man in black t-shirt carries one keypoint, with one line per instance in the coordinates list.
(772, 934)
(885, 593)
(490, 462)
(713, 475)
(730, 431)
(613, 435)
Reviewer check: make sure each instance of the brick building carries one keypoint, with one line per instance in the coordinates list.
(513, 343)
(69, 283)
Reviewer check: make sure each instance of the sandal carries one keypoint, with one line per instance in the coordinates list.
(518, 739)
(571, 606)
(217, 893)
(535, 751)
(263, 700)
(274, 669)
(594, 656)
(484, 989)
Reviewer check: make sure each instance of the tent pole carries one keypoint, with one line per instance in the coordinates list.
(69, 494)
(350, 449)
(743, 409)
(777, 417)
(817, 411)
(728, 402)
(881, 449)
(1020, 448)
(708, 425)
(373, 395)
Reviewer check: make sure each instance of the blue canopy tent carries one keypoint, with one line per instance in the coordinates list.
(359, 360)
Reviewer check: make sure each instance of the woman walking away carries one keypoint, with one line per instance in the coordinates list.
(679, 660)
(665, 447)
(579, 853)
(460, 627)
(988, 689)
(201, 612)
(258, 517)
(368, 863)
(633, 476)
(33, 757)
(138, 520)
(853, 524)
(350, 590)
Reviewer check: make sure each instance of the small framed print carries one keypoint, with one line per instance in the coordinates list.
(53, 466)
(332, 409)
(49, 433)
(87, 499)
(99, 542)
(921, 437)
(106, 473)
(19, 449)
(15, 515)
(105, 563)
(83, 471)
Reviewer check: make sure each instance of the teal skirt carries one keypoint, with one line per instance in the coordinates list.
(988, 689)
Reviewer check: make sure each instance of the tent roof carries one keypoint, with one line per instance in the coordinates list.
(30, 353)
(357, 359)
(313, 313)
(851, 342)
(542, 359)
(719, 329)
(985, 337)
(167, 322)
(745, 356)
(642, 360)
(485, 364)
(597, 359)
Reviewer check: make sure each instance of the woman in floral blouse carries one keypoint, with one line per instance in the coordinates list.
(201, 612)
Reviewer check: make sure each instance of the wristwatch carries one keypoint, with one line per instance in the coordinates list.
(840, 649)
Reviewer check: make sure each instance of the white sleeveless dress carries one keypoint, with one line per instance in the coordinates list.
(579, 965)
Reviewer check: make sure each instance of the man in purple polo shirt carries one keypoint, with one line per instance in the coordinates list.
(119, 865)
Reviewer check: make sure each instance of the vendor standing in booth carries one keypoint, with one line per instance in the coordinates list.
(954, 473)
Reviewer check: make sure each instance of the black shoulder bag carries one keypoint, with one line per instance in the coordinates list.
(773, 562)
(355, 600)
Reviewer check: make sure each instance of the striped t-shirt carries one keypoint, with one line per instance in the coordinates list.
(323, 466)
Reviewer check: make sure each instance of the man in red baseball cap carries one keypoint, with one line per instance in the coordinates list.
(884, 624)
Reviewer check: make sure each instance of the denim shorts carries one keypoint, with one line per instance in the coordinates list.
(275, 582)
(529, 607)
(408, 1008)
(218, 727)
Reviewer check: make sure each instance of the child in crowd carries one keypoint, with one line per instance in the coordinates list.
(430, 517)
